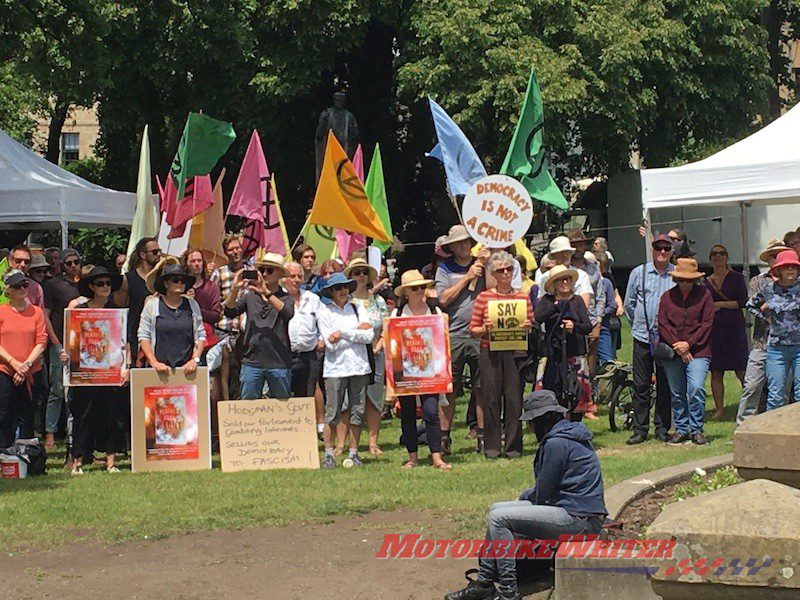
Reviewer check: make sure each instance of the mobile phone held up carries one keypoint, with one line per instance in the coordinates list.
(250, 274)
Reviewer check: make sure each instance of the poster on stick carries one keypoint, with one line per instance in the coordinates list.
(507, 317)
(170, 421)
(497, 211)
(418, 355)
(94, 340)
(258, 435)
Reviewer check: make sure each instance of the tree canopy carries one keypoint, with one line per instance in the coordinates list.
(669, 79)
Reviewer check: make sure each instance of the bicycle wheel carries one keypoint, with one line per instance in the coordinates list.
(620, 406)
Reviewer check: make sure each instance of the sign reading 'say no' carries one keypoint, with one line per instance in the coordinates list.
(497, 211)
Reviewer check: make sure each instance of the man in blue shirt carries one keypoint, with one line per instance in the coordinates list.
(646, 285)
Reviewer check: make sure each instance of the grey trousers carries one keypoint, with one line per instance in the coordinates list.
(355, 387)
(755, 381)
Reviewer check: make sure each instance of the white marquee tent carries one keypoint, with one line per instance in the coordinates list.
(762, 169)
(36, 194)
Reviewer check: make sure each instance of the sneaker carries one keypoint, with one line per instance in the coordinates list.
(113, 470)
(77, 471)
(328, 462)
(636, 438)
(679, 438)
(662, 436)
(699, 439)
(501, 596)
(356, 460)
(475, 590)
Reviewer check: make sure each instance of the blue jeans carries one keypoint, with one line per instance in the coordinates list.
(781, 362)
(686, 387)
(605, 346)
(530, 521)
(252, 381)
(56, 398)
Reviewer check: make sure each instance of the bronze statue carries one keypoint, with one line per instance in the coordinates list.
(344, 126)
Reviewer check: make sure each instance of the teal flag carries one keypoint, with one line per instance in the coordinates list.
(203, 141)
(376, 192)
(525, 159)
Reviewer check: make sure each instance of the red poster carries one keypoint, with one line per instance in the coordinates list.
(170, 419)
(418, 355)
(95, 339)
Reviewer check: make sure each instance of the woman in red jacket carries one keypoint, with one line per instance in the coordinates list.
(685, 319)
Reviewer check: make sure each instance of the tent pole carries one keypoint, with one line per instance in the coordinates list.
(648, 235)
(64, 235)
(745, 241)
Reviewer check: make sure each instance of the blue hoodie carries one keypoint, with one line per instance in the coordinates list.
(567, 472)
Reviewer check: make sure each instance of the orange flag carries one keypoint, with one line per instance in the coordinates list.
(340, 200)
(208, 228)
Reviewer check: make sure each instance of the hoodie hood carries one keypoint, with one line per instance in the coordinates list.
(571, 431)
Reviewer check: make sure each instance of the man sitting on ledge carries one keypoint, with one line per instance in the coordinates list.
(567, 497)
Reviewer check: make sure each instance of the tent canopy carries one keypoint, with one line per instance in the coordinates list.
(35, 193)
(761, 169)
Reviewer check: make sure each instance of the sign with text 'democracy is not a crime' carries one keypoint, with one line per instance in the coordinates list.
(497, 211)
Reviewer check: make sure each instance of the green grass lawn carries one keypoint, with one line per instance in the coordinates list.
(50, 510)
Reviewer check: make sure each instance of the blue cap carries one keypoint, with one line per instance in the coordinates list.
(336, 279)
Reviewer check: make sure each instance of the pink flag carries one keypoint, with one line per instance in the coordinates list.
(198, 197)
(253, 200)
(352, 242)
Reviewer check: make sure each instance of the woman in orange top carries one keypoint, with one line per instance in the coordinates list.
(22, 340)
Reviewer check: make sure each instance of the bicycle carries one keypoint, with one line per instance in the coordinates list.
(614, 382)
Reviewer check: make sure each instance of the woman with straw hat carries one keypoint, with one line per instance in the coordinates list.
(413, 287)
(98, 412)
(266, 349)
(171, 332)
(371, 308)
(566, 327)
(685, 321)
(781, 305)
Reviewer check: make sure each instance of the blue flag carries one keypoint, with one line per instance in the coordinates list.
(461, 163)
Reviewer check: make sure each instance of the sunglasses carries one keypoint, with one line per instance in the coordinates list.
(267, 270)
(675, 239)
(719, 253)
(358, 272)
(416, 288)
(154, 251)
(173, 279)
(72, 263)
(102, 282)
(507, 269)
(662, 248)
(340, 286)
(20, 286)
(21, 260)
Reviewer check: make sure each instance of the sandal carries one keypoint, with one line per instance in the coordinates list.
(443, 466)
(409, 465)
(375, 451)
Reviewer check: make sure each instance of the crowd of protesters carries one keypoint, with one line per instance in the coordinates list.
(275, 326)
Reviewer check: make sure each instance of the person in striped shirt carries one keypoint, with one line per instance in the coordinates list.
(500, 370)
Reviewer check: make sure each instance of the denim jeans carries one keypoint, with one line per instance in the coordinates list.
(16, 411)
(755, 379)
(252, 379)
(529, 521)
(56, 398)
(781, 362)
(605, 346)
(686, 386)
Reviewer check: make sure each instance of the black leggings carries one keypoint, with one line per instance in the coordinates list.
(16, 410)
(97, 420)
(408, 422)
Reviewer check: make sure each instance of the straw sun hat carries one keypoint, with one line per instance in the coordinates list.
(686, 270)
(556, 273)
(360, 263)
(410, 279)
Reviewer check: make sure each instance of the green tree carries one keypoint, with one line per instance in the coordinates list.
(20, 101)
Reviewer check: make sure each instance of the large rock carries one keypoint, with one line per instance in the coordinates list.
(767, 446)
(751, 531)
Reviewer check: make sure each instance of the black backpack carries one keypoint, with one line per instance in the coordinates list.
(32, 454)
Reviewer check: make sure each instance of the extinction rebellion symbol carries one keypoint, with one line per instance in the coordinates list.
(348, 181)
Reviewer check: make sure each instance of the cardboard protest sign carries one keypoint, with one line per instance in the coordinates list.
(94, 340)
(170, 421)
(417, 355)
(497, 211)
(507, 317)
(257, 435)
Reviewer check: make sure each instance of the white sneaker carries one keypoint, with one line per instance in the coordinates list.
(77, 471)
(113, 470)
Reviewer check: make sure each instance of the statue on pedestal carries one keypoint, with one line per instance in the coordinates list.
(343, 124)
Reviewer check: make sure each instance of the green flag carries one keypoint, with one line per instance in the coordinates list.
(322, 239)
(525, 157)
(203, 141)
(3, 270)
(376, 192)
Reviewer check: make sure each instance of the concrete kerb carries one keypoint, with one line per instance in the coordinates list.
(618, 497)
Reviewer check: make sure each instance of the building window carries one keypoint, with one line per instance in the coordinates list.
(69, 148)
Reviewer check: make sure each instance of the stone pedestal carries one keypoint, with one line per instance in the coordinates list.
(741, 541)
(767, 446)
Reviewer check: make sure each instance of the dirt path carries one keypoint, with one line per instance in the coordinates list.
(334, 560)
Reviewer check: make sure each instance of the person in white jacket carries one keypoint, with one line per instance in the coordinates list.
(346, 368)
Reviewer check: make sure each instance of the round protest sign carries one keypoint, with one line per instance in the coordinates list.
(497, 211)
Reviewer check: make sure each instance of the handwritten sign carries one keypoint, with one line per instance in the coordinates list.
(497, 211)
(507, 317)
(257, 435)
